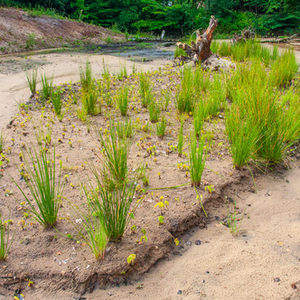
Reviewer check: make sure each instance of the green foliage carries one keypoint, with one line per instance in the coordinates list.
(86, 77)
(180, 138)
(197, 159)
(90, 228)
(5, 242)
(161, 127)
(123, 100)
(1, 142)
(47, 87)
(145, 89)
(261, 123)
(31, 41)
(45, 186)
(115, 153)
(56, 99)
(177, 17)
(89, 101)
(32, 80)
(283, 69)
(154, 111)
(112, 207)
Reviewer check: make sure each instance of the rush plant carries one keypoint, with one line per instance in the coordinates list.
(5, 242)
(44, 184)
(197, 159)
(32, 80)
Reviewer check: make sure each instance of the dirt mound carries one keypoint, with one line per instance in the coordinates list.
(20, 30)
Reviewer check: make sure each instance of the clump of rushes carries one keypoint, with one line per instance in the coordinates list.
(154, 111)
(124, 129)
(123, 100)
(180, 138)
(167, 100)
(283, 69)
(89, 101)
(112, 207)
(5, 242)
(161, 127)
(47, 87)
(199, 115)
(185, 97)
(197, 160)
(145, 89)
(123, 73)
(45, 185)
(86, 77)
(115, 154)
(32, 80)
(242, 135)
(56, 100)
(90, 228)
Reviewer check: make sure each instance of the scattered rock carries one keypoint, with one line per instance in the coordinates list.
(198, 242)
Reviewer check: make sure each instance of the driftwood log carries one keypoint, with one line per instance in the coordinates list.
(200, 52)
(245, 35)
(281, 40)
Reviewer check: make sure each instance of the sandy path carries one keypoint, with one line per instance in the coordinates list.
(65, 68)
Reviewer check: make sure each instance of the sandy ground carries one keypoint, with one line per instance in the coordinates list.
(262, 262)
(64, 68)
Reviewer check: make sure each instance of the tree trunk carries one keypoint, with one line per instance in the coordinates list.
(199, 51)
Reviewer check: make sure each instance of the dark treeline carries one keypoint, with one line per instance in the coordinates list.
(177, 17)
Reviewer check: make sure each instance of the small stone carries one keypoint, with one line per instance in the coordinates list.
(276, 279)
(179, 292)
(198, 242)
(189, 243)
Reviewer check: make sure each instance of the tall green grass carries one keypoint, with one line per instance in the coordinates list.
(283, 69)
(258, 123)
(45, 186)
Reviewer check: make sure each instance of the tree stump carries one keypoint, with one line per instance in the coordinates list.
(199, 50)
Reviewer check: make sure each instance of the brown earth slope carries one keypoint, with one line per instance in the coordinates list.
(19, 31)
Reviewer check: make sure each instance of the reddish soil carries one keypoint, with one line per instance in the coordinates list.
(16, 26)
